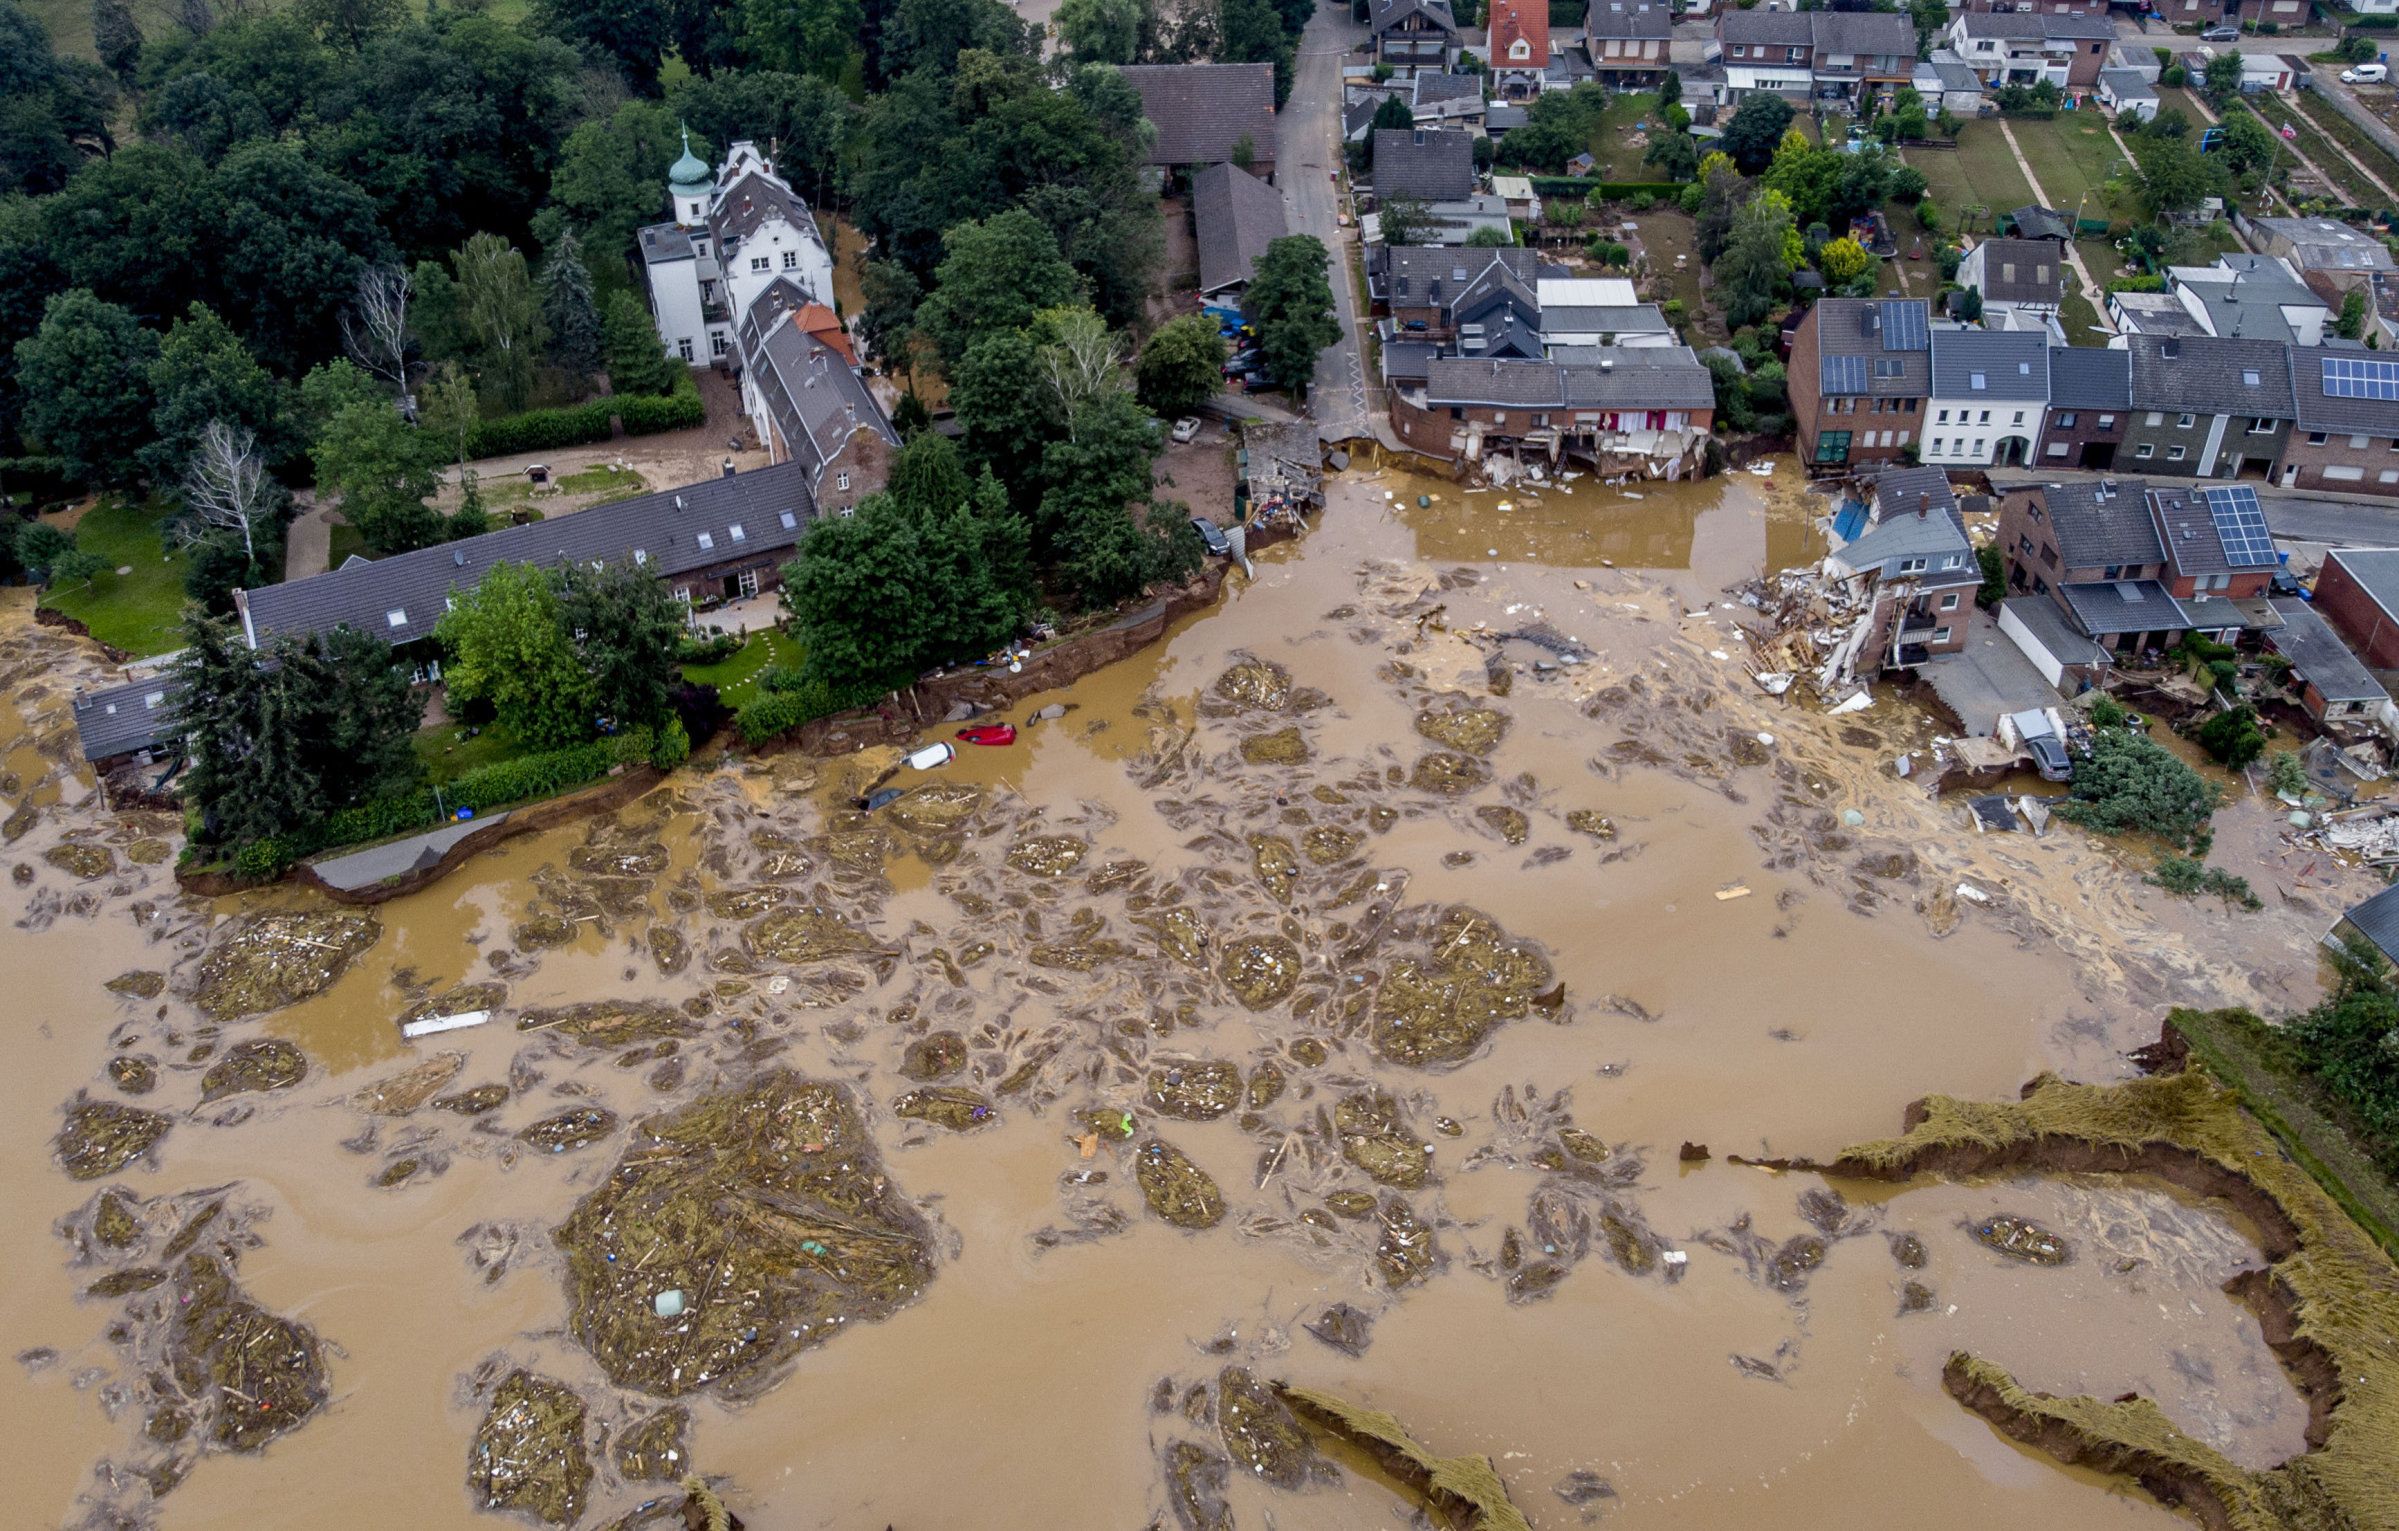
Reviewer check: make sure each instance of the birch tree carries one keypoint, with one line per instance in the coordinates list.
(375, 324)
(227, 488)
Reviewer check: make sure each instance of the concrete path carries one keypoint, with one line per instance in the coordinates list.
(1308, 164)
(2091, 291)
(363, 869)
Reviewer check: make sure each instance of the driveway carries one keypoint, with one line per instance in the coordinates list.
(1988, 678)
(1307, 162)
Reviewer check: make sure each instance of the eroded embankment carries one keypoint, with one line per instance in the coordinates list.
(2329, 1302)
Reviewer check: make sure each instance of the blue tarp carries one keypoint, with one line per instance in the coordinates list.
(1849, 521)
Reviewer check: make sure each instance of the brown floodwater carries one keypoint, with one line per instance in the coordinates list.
(1721, 1346)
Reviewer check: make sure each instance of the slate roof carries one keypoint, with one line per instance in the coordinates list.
(1899, 491)
(2038, 222)
(120, 719)
(1780, 28)
(1499, 119)
(2021, 271)
(414, 585)
(2089, 377)
(2211, 375)
(2109, 607)
(1236, 216)
(816, 397)
(2319, 655)
(1405, 361)
(2015, 25)
(1854, 33)
(2104, 524)
(1430, 276)
(662, 243)
(1652, 19)
(2188, 529)
(2326, 244)
(2128, 84)
(1891, 333)
(1435, 89)
(2377, 919)
(1637, 377)
(1428, 164)
(1390, 13)
(2244, 297)
(2318, 411)
(1954, 73)
(2048, 625)
(1203, 111)
(2012, 365)
(750, 202)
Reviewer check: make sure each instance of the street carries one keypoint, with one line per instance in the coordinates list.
(1307, 155)
(2293, 515)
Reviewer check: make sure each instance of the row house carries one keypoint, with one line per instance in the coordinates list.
(2345, 428)
(2357, 590)
(2013, 48)
(2090, 401)
(1916, 570)
(1836, 55)
(1628, 41)
(2249, 13)
(1634, 409)
(2133, 566)
(2245, 297)
(1519, 48)
(1424, 287)
(2044, 7)
(2018, 277)
(1413, 34)
(1989, 391)
(1860, 372)
(2206, 406)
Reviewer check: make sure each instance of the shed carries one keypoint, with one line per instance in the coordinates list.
(2376, 921)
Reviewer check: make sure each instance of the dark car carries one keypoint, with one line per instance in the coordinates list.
(1211, 534)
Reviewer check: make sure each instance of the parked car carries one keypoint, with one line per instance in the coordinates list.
(2221, 35)
(1186, 428)
(1211, 534)
(2366, 74)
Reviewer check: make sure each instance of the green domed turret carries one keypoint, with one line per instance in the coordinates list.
(687, 177)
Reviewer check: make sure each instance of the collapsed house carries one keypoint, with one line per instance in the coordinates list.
(1640, 412)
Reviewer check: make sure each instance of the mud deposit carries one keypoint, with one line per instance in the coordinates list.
(1313, 1007)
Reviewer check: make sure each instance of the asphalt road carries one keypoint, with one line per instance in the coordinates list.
(2332, 521)
(1307, 156)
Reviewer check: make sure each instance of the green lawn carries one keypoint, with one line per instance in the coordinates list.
(141, 611)
(1613, 147)
(736, 679)
(1979, 172)
(612, 483)
(2073, 155)
(449, 754)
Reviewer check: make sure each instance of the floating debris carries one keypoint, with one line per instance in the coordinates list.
(578, 1128)
(1175, 1188)
(528, 1454)
(1047, 855)
(269, 961)
(608, 1024)
(101, 1137)
(1261, 1433)
(1195, 1090)
(1283, 747)
(267, 1064)
(1448, 774)
(1457, 722)
(1437, 1011)
(2021, 1238)
(1261, 970)
(1463, 1491)
(947, 1106)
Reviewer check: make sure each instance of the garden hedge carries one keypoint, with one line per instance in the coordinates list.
(574, 425)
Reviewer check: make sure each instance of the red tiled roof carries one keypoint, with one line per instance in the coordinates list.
(1512, 20)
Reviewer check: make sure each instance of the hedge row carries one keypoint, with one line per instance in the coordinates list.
(575, 425)
(779, 712)
(1577, 186)
(497, 785)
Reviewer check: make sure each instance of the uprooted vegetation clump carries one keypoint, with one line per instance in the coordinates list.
(272, 960)
(1438, 1009)
(765, 1210)
(1462, 1492)
(2328, 1303)
(528, 1454)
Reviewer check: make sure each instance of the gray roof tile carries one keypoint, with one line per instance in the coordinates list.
(2088, 377)
(1629, 19)
(1203, 111)
(2021, 271)
(2188, 529)
(2319, 655)
(2126, 606)
(2320, 411)
(2103, 524)
(1631, 377)
(1428, 164)
(1237, 216)
(118, 720)
(1990, 364)
(2208, 375)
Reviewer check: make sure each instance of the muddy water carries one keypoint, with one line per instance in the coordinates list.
(1780, 1367)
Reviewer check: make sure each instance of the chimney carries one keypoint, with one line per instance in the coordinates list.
(1924, 505)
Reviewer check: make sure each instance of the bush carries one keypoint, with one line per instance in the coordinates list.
(716, 648)
(2107, 712)
(2186, 878)
(1928, 216)
(2233, 736)
(2137, 284)
(2346, 1044)
(672, 747)
(646, 414)
(2129, 784)
(792, 699)
(2175, 77)
(540, 430)
(1908, 184)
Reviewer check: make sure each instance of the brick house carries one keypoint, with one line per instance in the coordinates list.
(1802, 54)
(1916, 566)
(2045, 7)
(1628, 41)
(2219, 555)
(1649, 402)
(2090, 400)
(1860, 372)
(1519, 56)
(2346, 434)
(2357, 591)
(1413, 34)
(2206, 407)
(2211, 13)
(2013, 48)
(2334, 688)
(1767, 50)
(2093, 550)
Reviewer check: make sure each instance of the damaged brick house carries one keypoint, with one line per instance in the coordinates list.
(1916, 568)
(2134, 566)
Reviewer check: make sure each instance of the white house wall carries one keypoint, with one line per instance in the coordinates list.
(675, 299)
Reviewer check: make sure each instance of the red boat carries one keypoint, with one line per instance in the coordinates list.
(989, 733)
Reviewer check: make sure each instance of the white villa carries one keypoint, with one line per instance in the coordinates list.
(729, 236)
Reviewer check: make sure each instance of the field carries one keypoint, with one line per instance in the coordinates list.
(139, 611)
(1978, 173)
(2344, 142)
(450, 750)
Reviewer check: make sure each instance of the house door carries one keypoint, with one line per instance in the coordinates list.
(2290, 476)
(747, 583)
(2098, 456)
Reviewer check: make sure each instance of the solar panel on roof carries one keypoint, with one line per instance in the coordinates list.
(2240, 526)
(1843, 374)
(1903, 326)
(2350, 377)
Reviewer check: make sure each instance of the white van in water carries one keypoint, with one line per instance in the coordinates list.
(932, 755)
(2366, 74)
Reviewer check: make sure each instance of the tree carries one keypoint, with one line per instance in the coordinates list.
(606, 184)
(1722, 194)
(116, 38)
(631, 34)
(637, 359)
(48, 553)
(626, 627)
(2174, 177)
(1251, 32)
(2248, 148)
(996, 391)
(382, 470)
(2221, 81)
(994, 275)
(84, 377)
(502, 313)
(1754, 271)
(204, 375)
(448, 412)
(305, 233)
(2130, 783)
(1391, 112)
(818, 37)
(1756, 131)
(374, 323)
(1993, 563)
(282, 737)
(2233, 736)
(1489, 239)
(852, 595)
(1106, 457)
(888, 325)
(1080, 358)
(2352, 322)
(1674, 156)
(1292, 304)
(1103, 31)
(230, 500)
(348, 24)
(569, 310)
(1406, 221)
(1181, 366)
(1670, 90)
(509, 644)
(1843, 261)
(1966, 305)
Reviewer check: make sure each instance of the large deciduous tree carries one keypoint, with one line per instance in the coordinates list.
(633, 35)
(509, 644)
(383, 471)
(503, 314)
(626, 629)
(1756, 130)
(232, 522)
(1181, 365)
(205, 374)
(611, 179)
(85, 379)
(1754, 272)
(1291, 301)
(995, 275)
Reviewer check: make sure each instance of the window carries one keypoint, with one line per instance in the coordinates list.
(2019, 417)
(842, 480)
(791, 260)
(758, 263)
(2344, 475)
(1949, 603)
(2250, 379)
(736, 533)
(1911, 566)
(2107, 422)
(2144, 451)
(2261, 426)
(707, 541)
(2065, 422)
(153, 700)
(1978, 381)
(2317, 438)
(1941, 635)
(683, 593)
(747, 582)
(1951, 560)
(2360, 443)
(396, 617)
(2174, 454)
(1833, 446)
(1935, 446)
(1984, 418)
(1942, 418)
(2112, 571)
(1794, 55)
(683, 347)
(2186, 421)
(1978, 446)
(717, 344)
(2387, 476)
(790, 520)
(2057, 449)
